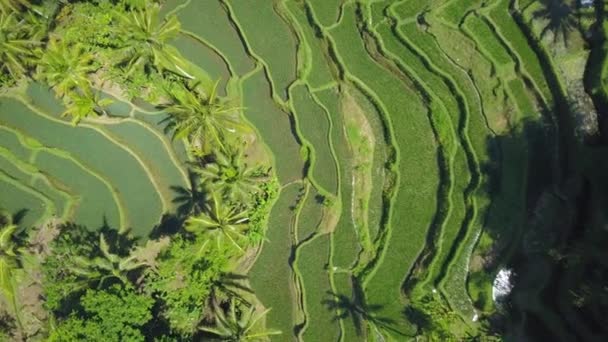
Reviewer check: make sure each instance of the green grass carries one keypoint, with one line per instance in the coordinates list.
(274, 127)
(271, 276)
(209, 21)
(417, 165)
(267, 34)
(312, 260)
(314, 126)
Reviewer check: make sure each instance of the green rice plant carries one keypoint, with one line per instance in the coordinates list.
(274, 127)
(417, 185)
(205, 58)
(487, 42)
(326, 11)
(209, 21)
(271, 276)
(266, 33)
(446, 114)
(453, 11)
(39, 207)
(96, 206)
(314, 126)
(311, 214)
(27, 173)
(166, 169)
(507, 28)
(312, 259)
(520, 96)
(120, 165)
(409, 9)
(318, 71)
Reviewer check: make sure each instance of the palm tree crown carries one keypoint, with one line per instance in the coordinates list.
(106, 266)
(66, 68)
(202, 119)
(230, 175)
(237, 324)
(218, 221)
(147, 41)
(16, 47)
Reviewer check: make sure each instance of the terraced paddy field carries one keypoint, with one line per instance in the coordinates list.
(417, 145)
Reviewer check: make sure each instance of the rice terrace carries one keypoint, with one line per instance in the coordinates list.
(303, 170)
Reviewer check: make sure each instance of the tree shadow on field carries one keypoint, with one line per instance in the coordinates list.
(546, 223)
(360, 312)
(561, 18)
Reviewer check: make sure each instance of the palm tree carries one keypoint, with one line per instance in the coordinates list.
(16, 50)
(202, 119)
(81, 105)
(238, 324)
(231, 176)
(218, 221)
(66, 68)
(147, 41)
(107, 266)
(9, 262)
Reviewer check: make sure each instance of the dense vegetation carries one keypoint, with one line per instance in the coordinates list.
(310, 170)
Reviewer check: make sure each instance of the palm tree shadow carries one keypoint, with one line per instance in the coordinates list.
(359, 312)
(561, 17)
(189, 200)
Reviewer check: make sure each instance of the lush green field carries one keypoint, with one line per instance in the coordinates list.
(407, 151)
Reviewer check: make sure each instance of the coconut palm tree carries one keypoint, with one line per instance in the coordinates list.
(237, 325)
(231, 176)
(202, 119)
(147, 41)
(66, 68)
(107, 266)
(16, 49)
(81, 105)
(9, 262)
(219, 221)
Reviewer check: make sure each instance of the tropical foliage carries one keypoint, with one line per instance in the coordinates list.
(146, 41)
(231, 176)
(204, 119)
(9, 261)
(18, 46)
(238, 324)
(66, 68)
(220, 221)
